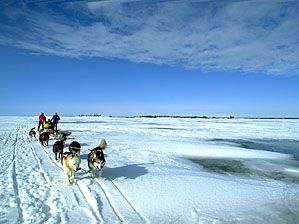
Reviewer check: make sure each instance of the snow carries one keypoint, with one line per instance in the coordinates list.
(158, 170)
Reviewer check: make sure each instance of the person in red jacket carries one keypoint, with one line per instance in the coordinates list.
(41, 120)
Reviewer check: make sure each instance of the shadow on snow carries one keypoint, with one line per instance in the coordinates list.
(131, 171)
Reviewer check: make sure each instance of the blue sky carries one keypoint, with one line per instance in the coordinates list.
(150, 57)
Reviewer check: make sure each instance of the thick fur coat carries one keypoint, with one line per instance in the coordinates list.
(58, 147)
(44, 138)
(96, 159)
(70, 163)
(32, 133)
(75, 147)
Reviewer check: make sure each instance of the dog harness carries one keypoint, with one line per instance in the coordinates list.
(73, 147)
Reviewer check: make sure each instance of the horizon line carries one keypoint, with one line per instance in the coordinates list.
(168, 116)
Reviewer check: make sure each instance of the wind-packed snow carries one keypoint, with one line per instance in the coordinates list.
(157, 170)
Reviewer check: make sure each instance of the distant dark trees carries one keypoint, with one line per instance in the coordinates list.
(90, 115)
(171, 116)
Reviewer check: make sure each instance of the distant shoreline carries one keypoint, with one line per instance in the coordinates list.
(191, 117)
(170, 116)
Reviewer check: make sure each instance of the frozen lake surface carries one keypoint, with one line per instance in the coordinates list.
(158, 170)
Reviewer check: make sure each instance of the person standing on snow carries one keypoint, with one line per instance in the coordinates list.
(41, 120)
(55, 119)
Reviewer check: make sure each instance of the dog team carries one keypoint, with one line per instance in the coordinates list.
(70, 160)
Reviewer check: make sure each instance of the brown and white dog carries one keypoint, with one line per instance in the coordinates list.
(96, 159)
(44, 138)
(70, 163)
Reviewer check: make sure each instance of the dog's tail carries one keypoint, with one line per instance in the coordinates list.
(103, 144)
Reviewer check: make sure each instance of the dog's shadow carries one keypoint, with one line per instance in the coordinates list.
(70, 138)
(131, 171)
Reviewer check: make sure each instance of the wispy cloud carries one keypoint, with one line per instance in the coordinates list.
(251, 36)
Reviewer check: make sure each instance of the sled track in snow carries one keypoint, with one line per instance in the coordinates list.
(113, 207)
(15, 182)
(6, 140)
(291, 199)
(128, 211)
(48, 179)
(126, 197)
(84, 193)
(37, 159)
(125, 213)
(45, 176)
(13, 155)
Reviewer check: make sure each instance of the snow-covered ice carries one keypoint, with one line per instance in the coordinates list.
(157, 170)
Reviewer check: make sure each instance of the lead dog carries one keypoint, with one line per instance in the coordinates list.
(44, 138)
(96, 159)
(70, 163)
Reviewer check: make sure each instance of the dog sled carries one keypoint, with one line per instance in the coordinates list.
(56, 134)
(60, 133)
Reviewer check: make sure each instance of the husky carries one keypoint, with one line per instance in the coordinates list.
(58, 147)
(75, 147)
(44, 138)
(96, 159)
(32, 133)
(70, 163)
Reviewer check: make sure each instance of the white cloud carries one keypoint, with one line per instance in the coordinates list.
(247, 36)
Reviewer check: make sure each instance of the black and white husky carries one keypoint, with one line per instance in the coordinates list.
(32, 133)
(96, 159)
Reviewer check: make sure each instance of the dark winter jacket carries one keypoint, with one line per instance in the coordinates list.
(55, 118)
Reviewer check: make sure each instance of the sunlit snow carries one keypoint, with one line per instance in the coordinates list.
(157, 170)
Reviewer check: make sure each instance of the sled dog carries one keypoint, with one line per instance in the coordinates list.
(32, 133)
(75, 147)
(96, 159)
(44, 138)
(58, 147)
(70, 163)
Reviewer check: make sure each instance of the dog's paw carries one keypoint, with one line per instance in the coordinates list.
(95, 173)
(71, 182)
(91, 174)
